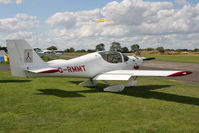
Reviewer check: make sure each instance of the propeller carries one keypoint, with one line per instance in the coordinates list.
(144, 58)
(137, 51)
(151, 58)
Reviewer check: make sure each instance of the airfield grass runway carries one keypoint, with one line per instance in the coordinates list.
(60, 105)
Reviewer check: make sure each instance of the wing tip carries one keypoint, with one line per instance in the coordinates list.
(180, 73)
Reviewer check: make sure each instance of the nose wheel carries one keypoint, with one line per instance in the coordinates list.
(89, 83)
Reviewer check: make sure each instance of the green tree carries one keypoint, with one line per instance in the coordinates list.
(135, 47)
(181, 50)
(125, 50)
(36, 49)
(149, 49)
(115, 46)
(52, 48)
(3, 48)
(91, 50)
(169, 50)
(72, 49)
(69, 50)
(66, 50)
(100, 47)
(196, 50)
(81, 50)
(160, 49)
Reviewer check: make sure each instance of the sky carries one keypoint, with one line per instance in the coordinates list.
(173, 24)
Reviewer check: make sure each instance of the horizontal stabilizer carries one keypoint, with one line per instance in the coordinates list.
(44, 70)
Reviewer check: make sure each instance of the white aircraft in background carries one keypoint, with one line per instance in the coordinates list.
(103, 65)
(48, 53)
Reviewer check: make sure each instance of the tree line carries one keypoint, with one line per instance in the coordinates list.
(116, 46)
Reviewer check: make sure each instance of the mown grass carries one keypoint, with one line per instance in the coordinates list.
(60, 105)
(176, 58)
(4, 63)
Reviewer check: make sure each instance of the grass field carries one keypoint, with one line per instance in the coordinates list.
(176, 58)
(60, 105)
(4, 63)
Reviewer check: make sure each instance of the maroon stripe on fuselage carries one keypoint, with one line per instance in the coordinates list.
(50, 71)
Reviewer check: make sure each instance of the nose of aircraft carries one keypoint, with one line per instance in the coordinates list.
(137, 61)
(136, 67)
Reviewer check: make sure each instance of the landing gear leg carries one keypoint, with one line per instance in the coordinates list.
(132, 82)
(89, 83)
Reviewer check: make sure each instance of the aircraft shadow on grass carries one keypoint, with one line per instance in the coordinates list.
(59, 93)
(14, 81)
(136, 91)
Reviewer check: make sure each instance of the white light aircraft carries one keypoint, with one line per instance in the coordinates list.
(48, 53)
(103, 65)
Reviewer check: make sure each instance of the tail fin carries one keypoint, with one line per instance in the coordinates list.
(22, 57)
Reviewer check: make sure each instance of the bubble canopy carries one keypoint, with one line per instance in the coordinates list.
(114, 56)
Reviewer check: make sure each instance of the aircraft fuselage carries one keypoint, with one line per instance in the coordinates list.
(90, 65)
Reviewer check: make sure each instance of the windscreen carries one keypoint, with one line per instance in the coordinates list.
(111, 57)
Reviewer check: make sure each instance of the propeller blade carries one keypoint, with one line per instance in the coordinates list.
(138, 51)
(152, 58)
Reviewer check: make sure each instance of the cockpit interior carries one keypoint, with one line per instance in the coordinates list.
(114, 57)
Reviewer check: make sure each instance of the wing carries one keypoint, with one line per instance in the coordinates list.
(44, 70)
(126, 74)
